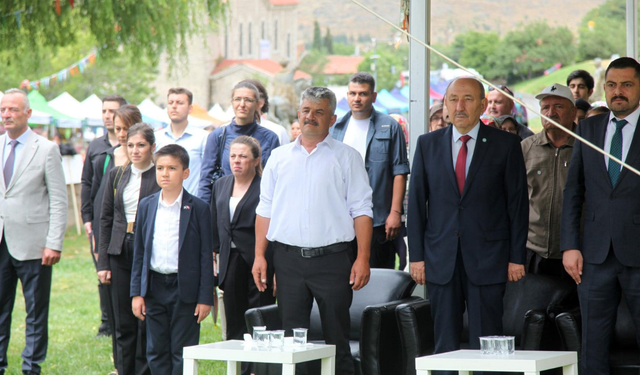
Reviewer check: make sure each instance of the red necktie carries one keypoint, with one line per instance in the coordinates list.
(461, 163)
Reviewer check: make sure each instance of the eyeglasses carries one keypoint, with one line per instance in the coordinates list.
(503, 88)
(246, 100)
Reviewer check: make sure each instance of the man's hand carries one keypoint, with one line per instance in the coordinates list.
(275, 285)
(215, 269)
(417, 272)
(259, 272)
(87, 229)
(392, 225)
(516, 271)
(139, 308)
(360, 273)
(104, 277)
(50, 257)
(202, 311)
(572, 262)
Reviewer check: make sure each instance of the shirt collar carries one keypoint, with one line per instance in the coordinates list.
(188, 130)
(22, 139)
(328, 140)
(137, 172)
(177, 201)
(632, 118)
(473, 133)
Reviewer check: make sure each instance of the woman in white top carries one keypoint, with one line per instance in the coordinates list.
(125, 187)
(235, 198)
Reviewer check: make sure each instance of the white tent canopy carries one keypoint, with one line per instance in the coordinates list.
(92, 110)
(150, 110)
(219, 113)
(67, 105)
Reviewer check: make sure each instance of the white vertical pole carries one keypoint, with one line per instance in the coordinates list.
(632, 28)
(419, 60)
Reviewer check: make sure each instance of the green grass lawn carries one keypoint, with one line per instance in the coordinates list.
(74, 318)
(535, 85)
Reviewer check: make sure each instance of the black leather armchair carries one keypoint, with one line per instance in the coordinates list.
(624, 355)
(525, 317)
(375, 340)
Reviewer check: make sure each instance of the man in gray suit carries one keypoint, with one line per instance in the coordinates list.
(33, 218)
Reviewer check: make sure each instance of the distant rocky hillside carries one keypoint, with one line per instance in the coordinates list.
(449, 16)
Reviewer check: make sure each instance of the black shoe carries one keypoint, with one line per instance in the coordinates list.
(104, 330)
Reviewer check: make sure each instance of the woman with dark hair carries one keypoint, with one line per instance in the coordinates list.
(245, 98)
(125, 186)
(263, 109)
(234, 201)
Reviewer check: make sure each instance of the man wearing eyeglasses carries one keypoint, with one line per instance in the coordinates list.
(499, 104)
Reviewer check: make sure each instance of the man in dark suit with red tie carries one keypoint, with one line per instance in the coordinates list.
(468, 217)
(605, 260)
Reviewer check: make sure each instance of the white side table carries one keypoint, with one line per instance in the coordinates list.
(529, 362)
(235, 352)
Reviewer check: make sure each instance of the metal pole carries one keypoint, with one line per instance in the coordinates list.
(419, 68)
(632, 28)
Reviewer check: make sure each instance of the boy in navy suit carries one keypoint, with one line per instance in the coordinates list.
(173, 228)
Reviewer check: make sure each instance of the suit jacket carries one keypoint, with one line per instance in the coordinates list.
(113, 222)
(33, 208)
(195, 259)
(240, 229)
(489, 220)
(611, 213)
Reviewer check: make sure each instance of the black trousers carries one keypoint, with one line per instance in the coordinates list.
(383, 252)
(325, 279)
(130, 333)
(599, 293)
(171, 324)
(448, 302)
(36, 287)
(106, 308)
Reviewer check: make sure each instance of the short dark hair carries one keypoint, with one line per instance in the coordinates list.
(624, 63)
(181, 90)
(176, 151)
(480, 86)
(588, 79)
(263, 94)
(114, 98)
(145, 130)
(583, 104)
(364, 78)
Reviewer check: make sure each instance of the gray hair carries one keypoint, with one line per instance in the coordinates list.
(315, 94)
(25, 98)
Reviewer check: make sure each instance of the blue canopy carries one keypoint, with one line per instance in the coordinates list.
(396, 93)
(390, 102)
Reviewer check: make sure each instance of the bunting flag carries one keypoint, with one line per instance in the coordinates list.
(71, 71)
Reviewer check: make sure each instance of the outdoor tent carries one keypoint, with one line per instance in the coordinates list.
(155, 114)
(69, 106)
(39, 103)
(217, 112)
(201, 114)
(391, 103)
(92, 110)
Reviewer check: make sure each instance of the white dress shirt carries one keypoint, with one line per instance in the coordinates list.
(22, 139)
(312, 198)
(627, 134)
(356, 135)
(131, 193)
(166, 236)
(193, 140)
(456, 145)
(233, 204)
(280, 131)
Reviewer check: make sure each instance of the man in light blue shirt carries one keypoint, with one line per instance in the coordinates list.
(179, 105)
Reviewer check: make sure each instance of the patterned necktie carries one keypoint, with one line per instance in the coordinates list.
(8, 165)
(461, 163)
(616, 151)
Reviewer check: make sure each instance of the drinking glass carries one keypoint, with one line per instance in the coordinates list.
(300, 336)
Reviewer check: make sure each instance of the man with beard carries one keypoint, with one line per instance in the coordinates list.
(604, 259)
(547, 156)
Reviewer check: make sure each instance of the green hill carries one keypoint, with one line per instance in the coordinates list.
(535, 85)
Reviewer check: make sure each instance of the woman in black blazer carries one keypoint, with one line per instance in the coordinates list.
(235, 198)
(124, 188)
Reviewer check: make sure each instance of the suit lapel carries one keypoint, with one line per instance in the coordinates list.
(634, 152)
(482, 144)
(448, 163)
(2, 141)
(254, 188)
(224, 215)
(30, 149)
(185, 214)
(599, 141)
(151, 224)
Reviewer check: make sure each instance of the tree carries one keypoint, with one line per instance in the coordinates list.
(328, 42)
(314, 63)
(602, 31)
(388, 65)
(149, 27)
(317, 37)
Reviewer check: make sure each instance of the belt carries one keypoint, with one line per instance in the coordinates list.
(130, 227)
(312, 252)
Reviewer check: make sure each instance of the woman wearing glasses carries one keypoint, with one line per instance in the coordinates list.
(244, 99)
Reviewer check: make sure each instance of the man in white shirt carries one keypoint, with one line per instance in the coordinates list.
(313, 234)
(194, 140)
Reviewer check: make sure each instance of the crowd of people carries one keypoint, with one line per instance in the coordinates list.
(265, 215)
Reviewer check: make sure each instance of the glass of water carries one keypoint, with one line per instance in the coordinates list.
(277, 339)
(300, 336)
(263, 338)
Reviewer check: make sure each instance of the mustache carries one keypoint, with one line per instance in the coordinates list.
(460, 114)
(312, 122)
(620, 97)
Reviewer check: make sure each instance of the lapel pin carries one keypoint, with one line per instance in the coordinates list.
(484, 140)
(186, 207)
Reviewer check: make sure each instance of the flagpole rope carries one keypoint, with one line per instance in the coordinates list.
(596, 148)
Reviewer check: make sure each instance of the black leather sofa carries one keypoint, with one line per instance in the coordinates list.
(624, 355)
(526, 305)
(375, 340)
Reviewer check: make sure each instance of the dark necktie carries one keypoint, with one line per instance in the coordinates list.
(616, 151)
(461, 163)
(8, 165)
